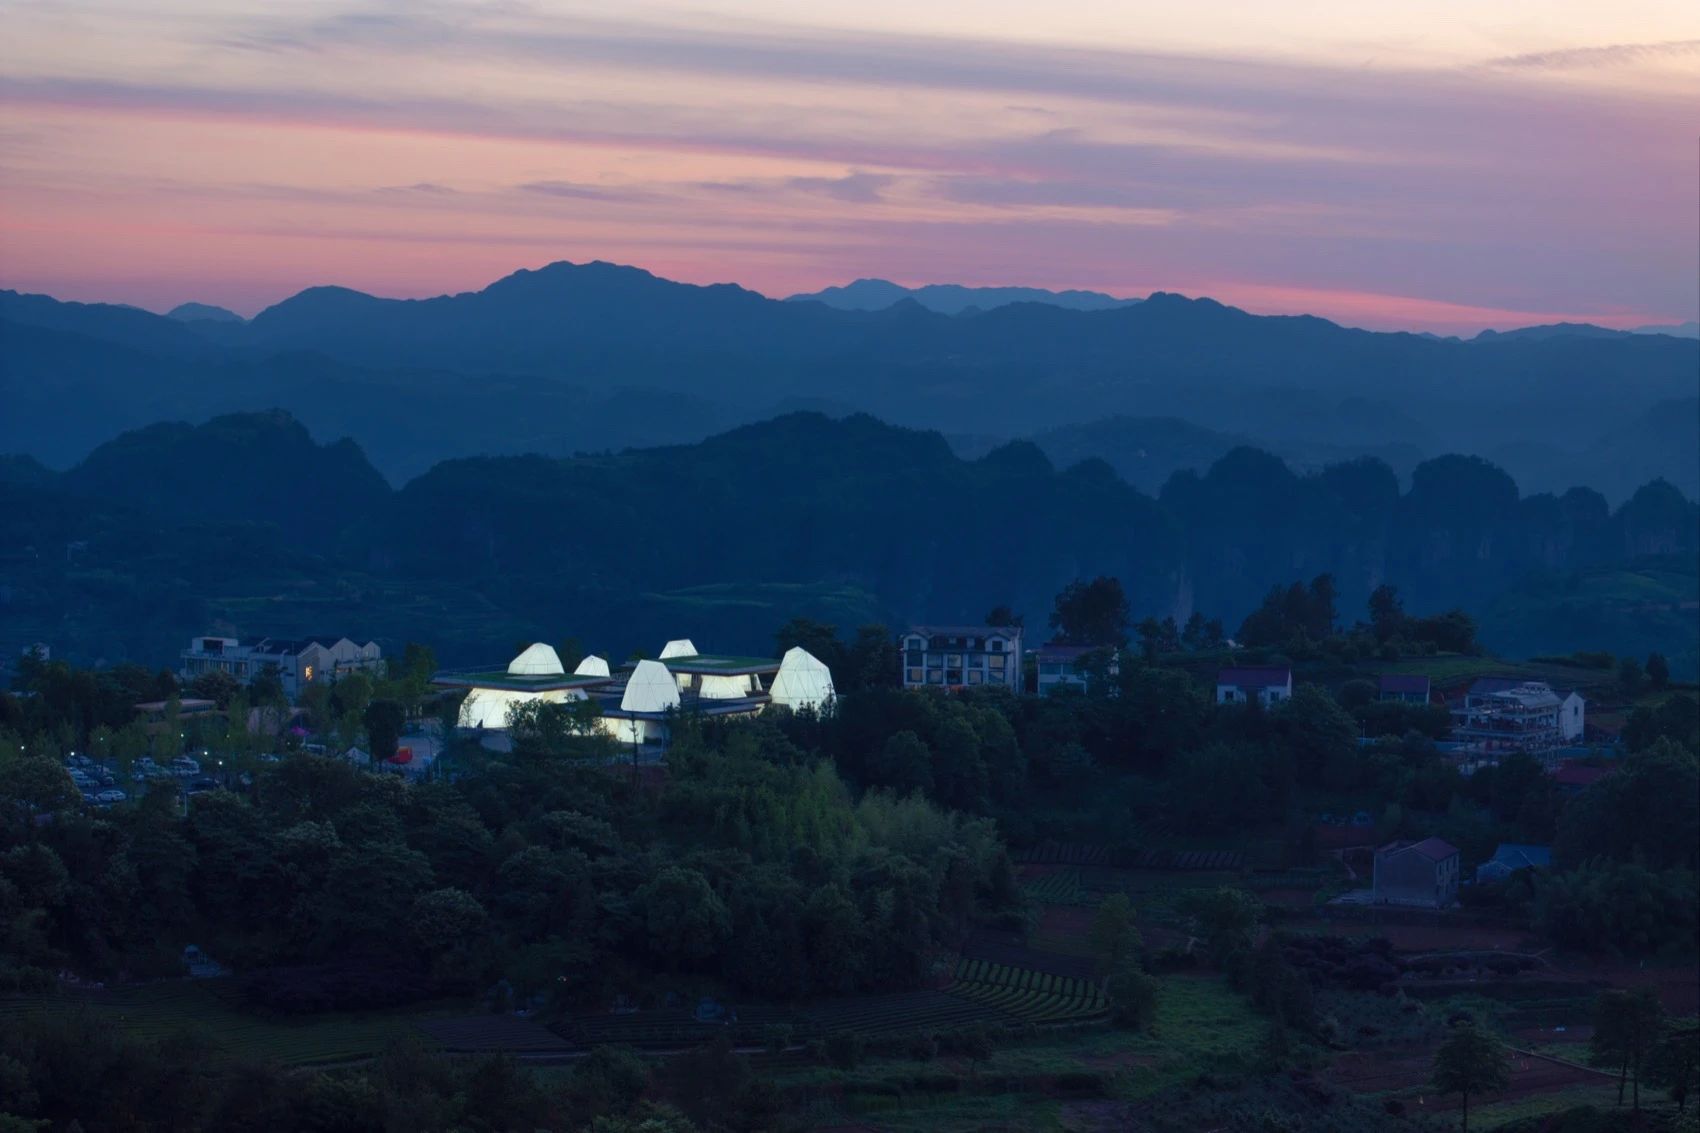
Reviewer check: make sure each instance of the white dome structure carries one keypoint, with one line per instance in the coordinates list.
(651, 688)
(592, 666)
(489, 707)
(538, 660)
(681, 647)
(803, 681)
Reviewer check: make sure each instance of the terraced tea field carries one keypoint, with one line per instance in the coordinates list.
(1034, 997)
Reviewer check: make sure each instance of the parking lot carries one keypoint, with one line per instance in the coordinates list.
(105, 783)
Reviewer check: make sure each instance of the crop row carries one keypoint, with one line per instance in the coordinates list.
(1037, 997)
(1060, 888)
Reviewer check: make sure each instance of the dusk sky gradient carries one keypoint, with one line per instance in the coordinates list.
(1449, 165)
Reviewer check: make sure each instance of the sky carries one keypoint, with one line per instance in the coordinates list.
(1447, 165)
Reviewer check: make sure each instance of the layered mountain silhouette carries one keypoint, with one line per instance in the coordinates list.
(248, 522)
(202, 312)
(597, 357)
(954, 298)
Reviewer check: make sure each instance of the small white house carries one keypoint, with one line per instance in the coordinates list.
(1572, 714)
(1267, 685)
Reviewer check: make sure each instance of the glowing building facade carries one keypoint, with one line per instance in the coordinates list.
(636, 703)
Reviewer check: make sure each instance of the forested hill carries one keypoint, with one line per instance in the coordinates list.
(246, 524)
(589, 357)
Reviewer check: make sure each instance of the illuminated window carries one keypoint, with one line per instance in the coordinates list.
(307, 672)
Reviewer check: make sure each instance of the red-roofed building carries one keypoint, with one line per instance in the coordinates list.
(1411, 688)
(1266, 685)
(1575, 777)
(1417, 873)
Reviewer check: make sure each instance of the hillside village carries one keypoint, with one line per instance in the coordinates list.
(1162, 825)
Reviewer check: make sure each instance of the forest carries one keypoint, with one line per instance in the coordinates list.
(851, 521)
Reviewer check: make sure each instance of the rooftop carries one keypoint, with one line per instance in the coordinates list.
(1434, 849)
(965, 631)
(1057, 651)
(184, 705)
(1579, 774)
(1404, 682)
(501, 678)
(1520, 856)
(718, 663)
(1255, 677)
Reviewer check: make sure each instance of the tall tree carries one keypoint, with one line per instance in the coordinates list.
(1674, 1063)
(1627, 1025)
(384, 719)
(1386, 612)
(1092, 613)
(1114, 937)
(1470, 1062)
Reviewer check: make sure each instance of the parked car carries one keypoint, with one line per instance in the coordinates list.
(76, 760)
(114, 795)
(185, 766)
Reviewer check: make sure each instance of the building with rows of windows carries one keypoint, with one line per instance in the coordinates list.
(962, 657)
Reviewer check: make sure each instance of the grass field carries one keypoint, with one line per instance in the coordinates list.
(206, 1008)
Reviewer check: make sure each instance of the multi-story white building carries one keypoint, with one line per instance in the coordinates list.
(962, 657)
(1510, 714)
(299, 661)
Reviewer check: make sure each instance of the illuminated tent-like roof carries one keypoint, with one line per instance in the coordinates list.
(681, 647)
(803, 680)
(538, 660)
(650, 689)
(591, 666)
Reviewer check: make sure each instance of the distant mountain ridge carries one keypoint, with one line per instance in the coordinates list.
(203, 312)
(953, 298)
(599, 356)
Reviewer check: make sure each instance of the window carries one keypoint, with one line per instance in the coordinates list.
(916, 676)
(915, 643)
(996, 660)
(953, 676)
(306, 672)
(975, 676)
(954, 660)
(915, 656)
(995, 644)
(935, 676)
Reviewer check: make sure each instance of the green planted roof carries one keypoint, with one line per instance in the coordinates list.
(718, 663)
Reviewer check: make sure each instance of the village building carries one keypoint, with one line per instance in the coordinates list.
(298, 662)
(1422, 874)
(1405, 688)
(1508, 714)
(962, 657)
(1266, 685)
(1060, 666)
(1510, 857)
